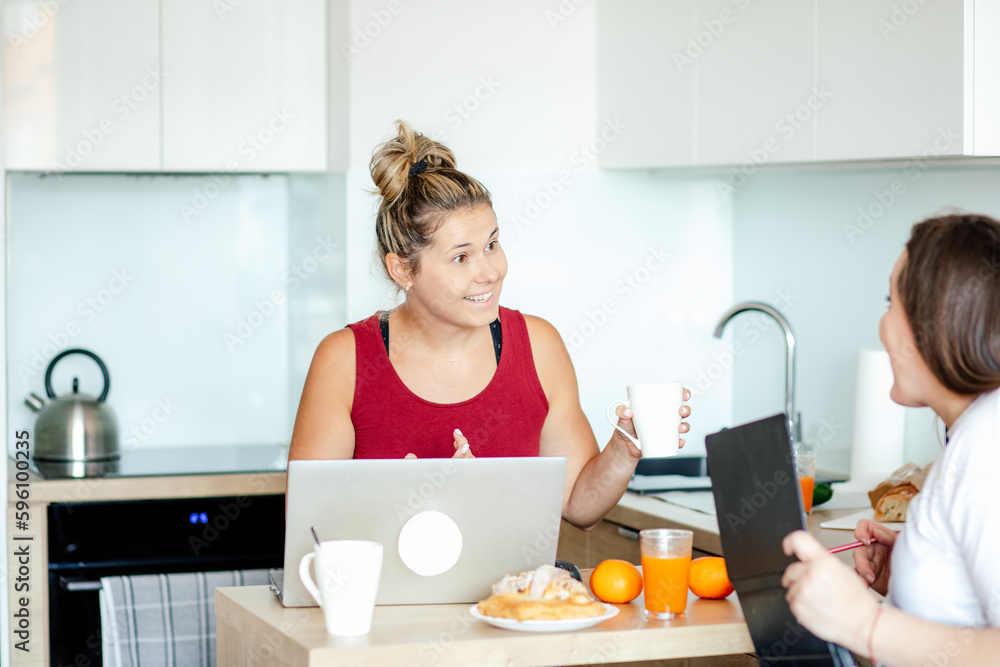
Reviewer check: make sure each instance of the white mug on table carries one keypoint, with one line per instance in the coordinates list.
(348, 572)
(655, 414)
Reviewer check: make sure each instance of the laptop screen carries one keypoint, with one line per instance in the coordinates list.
(507, 511)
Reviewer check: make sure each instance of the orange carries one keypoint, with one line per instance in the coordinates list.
(707, 578)
(616, 581)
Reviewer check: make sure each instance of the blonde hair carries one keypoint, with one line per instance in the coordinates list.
(419, 186)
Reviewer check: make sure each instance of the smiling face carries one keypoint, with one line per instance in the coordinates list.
(462, 270)
(913, 380)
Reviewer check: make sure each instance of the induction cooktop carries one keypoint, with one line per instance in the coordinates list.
(164, 461)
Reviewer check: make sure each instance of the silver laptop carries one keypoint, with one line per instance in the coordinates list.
(450, 527)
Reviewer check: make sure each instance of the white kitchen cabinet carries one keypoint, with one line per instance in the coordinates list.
(909, 78)
(755, 82)
(705, 82)
(82, 85)
(716, 82)
(246, 86)
(165, 85)
(640, 84)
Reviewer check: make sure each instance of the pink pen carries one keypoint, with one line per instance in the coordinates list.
(846, 547)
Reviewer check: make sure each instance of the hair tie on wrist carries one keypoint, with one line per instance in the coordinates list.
(418, 168)
(871, 636)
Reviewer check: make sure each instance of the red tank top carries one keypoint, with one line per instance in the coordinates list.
(390, 421)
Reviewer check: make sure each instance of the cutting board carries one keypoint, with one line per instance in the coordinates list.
(850, 522)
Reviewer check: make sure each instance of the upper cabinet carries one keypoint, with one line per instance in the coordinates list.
(82, 85)
(713, 82)
(639, 83)
(756, 69)
(908, 78)
(245, 89)
(172, 86)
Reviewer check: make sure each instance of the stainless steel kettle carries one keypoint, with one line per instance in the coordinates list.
(76, 432)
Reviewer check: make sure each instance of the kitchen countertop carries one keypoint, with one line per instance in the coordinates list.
(96, 489)
(168, 472)
(640, 512)
(253, 628)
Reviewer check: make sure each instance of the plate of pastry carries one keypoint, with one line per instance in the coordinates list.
(564, 625)
(546, 599)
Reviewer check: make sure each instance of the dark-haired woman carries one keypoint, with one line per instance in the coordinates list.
(449, 372)
(942, 332)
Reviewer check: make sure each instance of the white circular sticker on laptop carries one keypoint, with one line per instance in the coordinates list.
(430, 543)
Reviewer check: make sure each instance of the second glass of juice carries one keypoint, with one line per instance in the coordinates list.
(805, 470)
(666, 559)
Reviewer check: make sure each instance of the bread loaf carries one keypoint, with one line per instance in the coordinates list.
(890, 504)
(890, 498)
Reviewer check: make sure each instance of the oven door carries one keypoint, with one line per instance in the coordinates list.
(88, 541)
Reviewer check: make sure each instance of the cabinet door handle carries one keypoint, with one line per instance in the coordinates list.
(628, 532)
(76, 585)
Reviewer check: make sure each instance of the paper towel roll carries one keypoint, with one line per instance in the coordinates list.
(877, 449)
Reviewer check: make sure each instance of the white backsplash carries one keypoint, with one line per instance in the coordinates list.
(181, 285)
(802, 244)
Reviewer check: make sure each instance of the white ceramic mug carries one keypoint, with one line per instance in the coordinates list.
(348, 572)
(655, 416)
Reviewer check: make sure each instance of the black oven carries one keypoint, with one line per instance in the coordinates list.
(87, 541)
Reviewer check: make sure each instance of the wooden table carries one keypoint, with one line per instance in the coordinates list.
(253, 630)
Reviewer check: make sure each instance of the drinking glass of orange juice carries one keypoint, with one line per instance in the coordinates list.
(666, 559)
(805, 469)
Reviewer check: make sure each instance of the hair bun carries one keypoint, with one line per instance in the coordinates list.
(394, 160)
(419, 186)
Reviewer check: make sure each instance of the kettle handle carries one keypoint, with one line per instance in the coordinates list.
(77, 350)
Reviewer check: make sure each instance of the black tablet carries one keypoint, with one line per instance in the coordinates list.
(758, 503)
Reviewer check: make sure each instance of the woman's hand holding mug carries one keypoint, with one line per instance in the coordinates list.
(654, 412)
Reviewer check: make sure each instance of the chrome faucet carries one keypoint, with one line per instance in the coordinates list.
(794, 419)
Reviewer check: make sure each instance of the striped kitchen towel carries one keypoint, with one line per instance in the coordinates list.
(164, 620)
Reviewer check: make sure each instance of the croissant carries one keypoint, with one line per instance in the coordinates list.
(545, 594)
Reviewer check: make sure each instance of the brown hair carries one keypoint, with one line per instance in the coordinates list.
(414, 202)
(950, 289)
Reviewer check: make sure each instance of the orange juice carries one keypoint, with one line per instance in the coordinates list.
(665, 583)
(807, 484)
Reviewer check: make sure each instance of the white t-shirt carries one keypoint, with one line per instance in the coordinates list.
(946, 562)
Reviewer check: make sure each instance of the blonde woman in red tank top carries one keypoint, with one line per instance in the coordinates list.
(449, 372)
